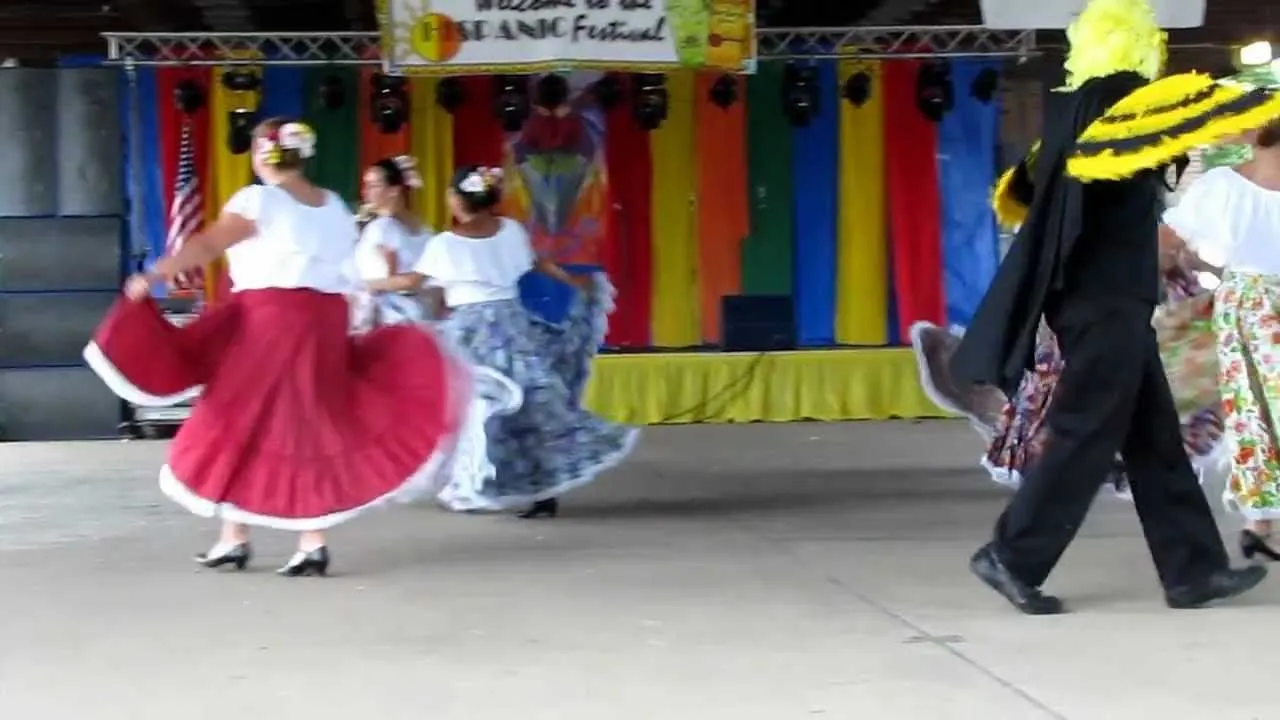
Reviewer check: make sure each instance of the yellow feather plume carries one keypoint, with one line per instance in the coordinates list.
(1111, 36)
(1009, 212)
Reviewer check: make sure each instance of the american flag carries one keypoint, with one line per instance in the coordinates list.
(186, 212)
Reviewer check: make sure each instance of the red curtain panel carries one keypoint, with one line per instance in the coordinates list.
(914, 205)
(627, 255)
(477, 134)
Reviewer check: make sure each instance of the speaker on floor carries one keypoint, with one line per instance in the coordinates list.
(757, 323)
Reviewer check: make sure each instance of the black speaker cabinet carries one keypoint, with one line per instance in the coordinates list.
(757, 323)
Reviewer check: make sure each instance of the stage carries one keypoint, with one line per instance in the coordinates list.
(830, 385)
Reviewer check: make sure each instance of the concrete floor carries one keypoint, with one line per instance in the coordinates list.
(725, 573)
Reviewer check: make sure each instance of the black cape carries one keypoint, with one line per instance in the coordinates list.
(999, 345)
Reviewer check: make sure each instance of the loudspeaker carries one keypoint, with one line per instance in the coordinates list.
(757, 323)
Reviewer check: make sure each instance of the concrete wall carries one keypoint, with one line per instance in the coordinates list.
(60, 239)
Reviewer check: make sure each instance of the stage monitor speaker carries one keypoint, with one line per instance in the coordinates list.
(757, 323)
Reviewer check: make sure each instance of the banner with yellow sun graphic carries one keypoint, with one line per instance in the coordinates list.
(470, 37)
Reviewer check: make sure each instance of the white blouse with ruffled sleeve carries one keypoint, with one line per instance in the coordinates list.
(295, 245)
(1230, 221)
(474, 270)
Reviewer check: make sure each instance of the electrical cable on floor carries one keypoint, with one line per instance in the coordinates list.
(727, 394)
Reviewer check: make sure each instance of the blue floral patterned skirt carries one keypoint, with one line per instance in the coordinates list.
(531, 440)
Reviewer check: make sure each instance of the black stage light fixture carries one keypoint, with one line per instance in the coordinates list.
(450, 94)
(723, 93)
(649, 99)
(389, 103)
(985, 85)
(241, 80)
(332, 92)
(240, 124)
(607, 91)
(511, 101)
(857, 89)
(800, 96)
(188, 96)
(551, 91)
(935, 95)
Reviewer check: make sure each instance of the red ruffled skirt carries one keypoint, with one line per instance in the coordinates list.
(299, 425)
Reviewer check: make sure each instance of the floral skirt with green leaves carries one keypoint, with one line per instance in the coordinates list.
(1247, 321)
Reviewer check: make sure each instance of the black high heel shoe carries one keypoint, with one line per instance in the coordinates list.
(548, 508)
(237, 555)
(1251, 543)
(312, 562)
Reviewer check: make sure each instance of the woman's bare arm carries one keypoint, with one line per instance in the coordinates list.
(206, 246)
(400, 282)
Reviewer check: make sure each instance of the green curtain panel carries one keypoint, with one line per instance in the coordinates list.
(337, 164)
(767, 251)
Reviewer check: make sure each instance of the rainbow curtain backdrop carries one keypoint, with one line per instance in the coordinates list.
(871, 218)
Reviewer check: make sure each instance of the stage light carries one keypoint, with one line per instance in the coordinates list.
(800, 95)
(551, 91)
(723, 93)
(450, 94)
(511, 104)
(649, 100)
(389, 103)
(935, 95)
(1256, 53)
(985, 85)
(333, 92)
(241, 80)
(240, 124)
(857, 89)
(188, 96)
(607, 91)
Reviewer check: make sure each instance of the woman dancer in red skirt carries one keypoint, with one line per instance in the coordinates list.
(299, 426)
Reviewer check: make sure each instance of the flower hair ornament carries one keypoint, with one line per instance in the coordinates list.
(481, 180)
(408, 170)
(295, 136)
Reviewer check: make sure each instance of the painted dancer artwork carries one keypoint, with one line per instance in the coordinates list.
(557, 183)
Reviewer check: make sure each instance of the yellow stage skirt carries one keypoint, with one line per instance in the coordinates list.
(825, 385)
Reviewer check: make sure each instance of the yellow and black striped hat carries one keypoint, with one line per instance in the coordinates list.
(1160, 121)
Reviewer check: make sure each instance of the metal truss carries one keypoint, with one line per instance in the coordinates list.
(362, 48)
(356, 48)
(905, 41)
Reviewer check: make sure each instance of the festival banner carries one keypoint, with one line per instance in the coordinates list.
(555, 174)
(469, 37)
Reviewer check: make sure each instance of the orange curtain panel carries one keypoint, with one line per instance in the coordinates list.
(721, 158)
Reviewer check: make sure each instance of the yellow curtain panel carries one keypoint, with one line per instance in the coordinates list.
(676, 321)
(431, 140)
(229, 172)
(862, 271)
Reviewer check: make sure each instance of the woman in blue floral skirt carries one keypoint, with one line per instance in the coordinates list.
(541, 443)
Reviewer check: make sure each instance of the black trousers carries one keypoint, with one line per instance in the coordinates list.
(1112, 396)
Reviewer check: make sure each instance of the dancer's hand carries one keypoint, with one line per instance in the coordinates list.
(137, 287)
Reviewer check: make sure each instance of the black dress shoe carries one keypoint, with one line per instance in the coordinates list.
(1027, 599)
(237, 555)
(548, 508)
(1220, 585)
(1251, 544)
(304, 564)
